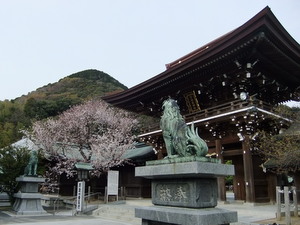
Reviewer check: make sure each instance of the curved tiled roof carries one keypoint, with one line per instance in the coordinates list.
(262, 38)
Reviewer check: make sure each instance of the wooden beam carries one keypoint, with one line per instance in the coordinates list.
(232, 152)
(248, 170)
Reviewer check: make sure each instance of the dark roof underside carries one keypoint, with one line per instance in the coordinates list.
(220, 67)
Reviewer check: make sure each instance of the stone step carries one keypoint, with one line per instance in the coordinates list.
(115, 211)
(89, 209)
(118, 212)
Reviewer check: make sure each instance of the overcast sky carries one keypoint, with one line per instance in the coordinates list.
(42, 41)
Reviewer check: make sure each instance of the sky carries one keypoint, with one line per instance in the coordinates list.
(42, 41)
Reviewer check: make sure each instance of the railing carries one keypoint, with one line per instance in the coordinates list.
(88, 197)
(226, 107)
(219, 109)
(286, 199)
(71, 201)
(66, 201)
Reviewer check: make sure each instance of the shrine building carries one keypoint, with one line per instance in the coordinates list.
(228, 88)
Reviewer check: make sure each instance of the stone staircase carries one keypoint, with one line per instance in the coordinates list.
(122, 213)
(119, 212)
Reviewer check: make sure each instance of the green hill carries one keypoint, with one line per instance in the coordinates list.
(52, 99)
(82, 85)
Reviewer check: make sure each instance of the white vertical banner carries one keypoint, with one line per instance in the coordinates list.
(112, 182)
(80, 196)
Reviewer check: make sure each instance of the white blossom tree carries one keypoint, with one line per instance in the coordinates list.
(92, 132)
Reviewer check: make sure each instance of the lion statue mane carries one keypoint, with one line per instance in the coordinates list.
(180, 139)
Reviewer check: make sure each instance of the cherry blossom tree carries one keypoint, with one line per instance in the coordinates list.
(93, 132)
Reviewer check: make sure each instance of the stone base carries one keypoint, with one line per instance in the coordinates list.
(182, 170)
(162, 215)
(28, 204)
(184, 192)
(28, 200)
(29, 184)
(187, 192)
(191, 184)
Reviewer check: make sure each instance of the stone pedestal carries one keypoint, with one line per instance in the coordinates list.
(28, 199)
(184, 193)
(162, 215)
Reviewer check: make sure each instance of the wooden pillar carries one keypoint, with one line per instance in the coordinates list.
(221, 180)
(248, 170)
(239, 178)
(272, 183)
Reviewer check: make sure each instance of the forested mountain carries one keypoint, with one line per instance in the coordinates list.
(51, 100)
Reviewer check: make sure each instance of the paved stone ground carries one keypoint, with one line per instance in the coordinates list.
(247, 214)
(294, 221)
(65, 221)
(56, 220)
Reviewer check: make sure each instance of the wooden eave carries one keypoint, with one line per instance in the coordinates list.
(227, 114)
(262, 36)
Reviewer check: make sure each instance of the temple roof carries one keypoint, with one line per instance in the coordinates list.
(259, 58)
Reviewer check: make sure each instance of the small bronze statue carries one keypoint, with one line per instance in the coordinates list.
(30, 169)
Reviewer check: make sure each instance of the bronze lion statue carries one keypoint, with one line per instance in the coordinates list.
(180, 139)
(30, 169)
